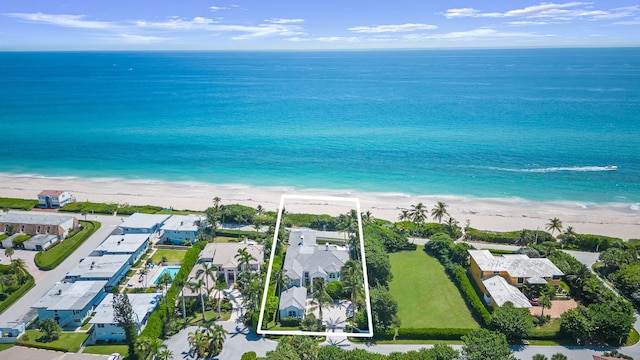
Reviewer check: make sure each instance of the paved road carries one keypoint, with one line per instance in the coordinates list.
(21, 309)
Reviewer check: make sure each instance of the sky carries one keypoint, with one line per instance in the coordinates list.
(44, 25)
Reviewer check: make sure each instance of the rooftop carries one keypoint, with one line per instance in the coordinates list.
(143, 221)
(41, 239)
(28, 218)
(142, 304)
(99, 267)
(501, 292)
(517, 265)
(303, 255)
(52, 192)
(224, 254)
(182, 223)
(128, 243)
(295, 296)
(70, 296)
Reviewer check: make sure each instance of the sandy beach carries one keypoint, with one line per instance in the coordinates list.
(616, 219)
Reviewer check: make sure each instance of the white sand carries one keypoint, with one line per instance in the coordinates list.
(618, 219)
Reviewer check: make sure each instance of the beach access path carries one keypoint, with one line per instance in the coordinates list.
(21, 310)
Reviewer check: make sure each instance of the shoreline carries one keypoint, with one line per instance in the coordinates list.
(498, 214)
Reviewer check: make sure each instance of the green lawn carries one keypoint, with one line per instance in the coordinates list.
(5, 346)
(171, 254)
(68, 341)
(107, 349)
(425, 295)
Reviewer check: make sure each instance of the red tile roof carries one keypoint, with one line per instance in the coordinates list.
(51, 193)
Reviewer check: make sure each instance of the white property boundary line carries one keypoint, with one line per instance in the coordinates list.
(273, 252)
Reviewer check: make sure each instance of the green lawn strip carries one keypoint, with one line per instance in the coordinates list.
(107, 349)
(408, 342)
(16, 295)
(226, 239)
(21, 204)
(208, 315)
(633, 338)
(49, 259)
(68, 341)
(5, 346)
(425, 295)
(172, 255)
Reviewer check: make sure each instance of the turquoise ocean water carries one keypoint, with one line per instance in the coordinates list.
(538, 124)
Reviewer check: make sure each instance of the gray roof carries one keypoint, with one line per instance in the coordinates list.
(99, 267)
(295, 296)
(224, 254)
(70, 296)
(41, 239)
(143, 221)
(501, 292)
(142, 305)
(303, 255)
(517, 265)
(128, 243)
(27, 218)
(182, 222)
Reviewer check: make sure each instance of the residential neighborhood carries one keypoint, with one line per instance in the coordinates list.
(219, 286)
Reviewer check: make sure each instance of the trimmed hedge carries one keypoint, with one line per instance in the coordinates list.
(509, 237)
(155, 324)
(423, 334)
(459, 276)
(49, 259)
(594, 243)
(16, 295)
(290, 322)
(90, 208)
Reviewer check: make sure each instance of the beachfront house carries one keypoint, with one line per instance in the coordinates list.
(104, 325)
(293, 302)
(139, 223)
(51, 199)
(110, 268)
(69, 303)
(133, 245)
(515, 270)
(32, 224)
(41, 242)
(305, 260)
(224, 257)
(179, 229)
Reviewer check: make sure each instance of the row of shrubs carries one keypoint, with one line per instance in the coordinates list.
(88, 207)
(509, 237)
(591, 242)
(17, 294)
(459, 276)
(49, 259)
(423, 334)
(156, 322)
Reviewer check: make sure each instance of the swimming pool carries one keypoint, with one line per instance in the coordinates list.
(172, 271)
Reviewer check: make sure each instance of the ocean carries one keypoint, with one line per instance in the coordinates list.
(539, 124)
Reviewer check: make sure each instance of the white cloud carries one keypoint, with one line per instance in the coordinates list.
(140, 39)
(175, 23)
(338, 39)
(73, 21)
(392, 28)
(527, 23)
(629, 22)
(296, 39)
(471, 34)
(284, 21)
(217, 8)
(564, 11)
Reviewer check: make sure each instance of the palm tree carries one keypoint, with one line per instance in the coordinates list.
(143, 271)
(244, 257)
(165, 354)
(554, 224)
(19, 268)
(570, 235)
(213, 216)
(197, 286)
(258, 217)
(439, 211)
(9, 252)
(523, 238)
(452, 227)
(156, 346)
(208, 270)
(418, 214)
(320, 295)
(352, 281)
(404, 216)
(545, 303)
(219, 287)
(367, 217)
(539, 357)
(558, 356)
(143, 347)
(208, 342)
(216, 335)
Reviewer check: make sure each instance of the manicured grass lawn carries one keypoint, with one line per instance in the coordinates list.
(107, 349)
(5, 346)
(633, 338)
(171, 254)
(208, 315)
(13, 203)
(425, 295)
(68, 341)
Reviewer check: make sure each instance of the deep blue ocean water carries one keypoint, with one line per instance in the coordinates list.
(537, 124)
